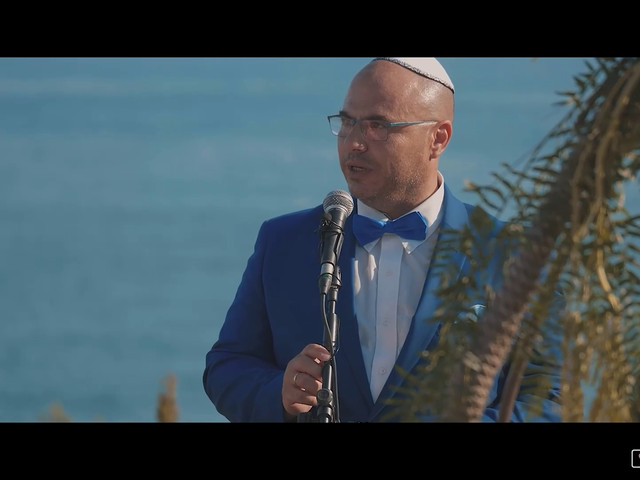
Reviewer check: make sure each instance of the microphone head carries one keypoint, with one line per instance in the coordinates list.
(338, 200)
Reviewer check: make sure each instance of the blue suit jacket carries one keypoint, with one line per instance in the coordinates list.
(277, 311)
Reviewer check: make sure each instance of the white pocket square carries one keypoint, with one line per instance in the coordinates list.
(472, 314)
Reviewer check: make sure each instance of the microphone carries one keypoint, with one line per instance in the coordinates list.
(337, 205)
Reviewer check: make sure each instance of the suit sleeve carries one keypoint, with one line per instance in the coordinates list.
(538, 399)
(241, 377)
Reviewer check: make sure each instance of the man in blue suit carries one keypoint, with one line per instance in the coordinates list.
(270, 359)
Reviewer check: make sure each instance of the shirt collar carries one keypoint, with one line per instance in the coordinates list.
(431, 210)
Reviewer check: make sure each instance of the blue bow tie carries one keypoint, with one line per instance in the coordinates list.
(411, 227)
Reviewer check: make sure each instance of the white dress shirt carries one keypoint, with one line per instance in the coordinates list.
(389, 277)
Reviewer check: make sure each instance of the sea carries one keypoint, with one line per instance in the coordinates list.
(132, 190)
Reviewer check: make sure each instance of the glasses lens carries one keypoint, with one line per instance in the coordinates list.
(338, 127)
(371, 129)
(374, 130)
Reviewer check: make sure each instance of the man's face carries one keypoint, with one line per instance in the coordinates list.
(386, 174)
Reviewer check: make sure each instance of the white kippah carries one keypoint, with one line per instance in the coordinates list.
(426, 66)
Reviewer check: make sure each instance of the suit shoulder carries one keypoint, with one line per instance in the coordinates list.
(300, 219)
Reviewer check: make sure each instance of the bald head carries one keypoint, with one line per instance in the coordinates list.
(428, 92)
(400, 172)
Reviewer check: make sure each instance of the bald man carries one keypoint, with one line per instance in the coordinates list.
(274, 352)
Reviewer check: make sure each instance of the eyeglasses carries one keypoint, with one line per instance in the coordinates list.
(342, 126)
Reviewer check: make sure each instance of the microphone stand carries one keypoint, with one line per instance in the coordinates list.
(337, 207)
(327, 410)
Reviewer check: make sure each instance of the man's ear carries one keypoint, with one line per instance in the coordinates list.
(441, 138)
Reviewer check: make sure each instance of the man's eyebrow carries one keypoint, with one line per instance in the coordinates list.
(382, 118)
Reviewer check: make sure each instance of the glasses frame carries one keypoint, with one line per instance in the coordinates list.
(387, 125)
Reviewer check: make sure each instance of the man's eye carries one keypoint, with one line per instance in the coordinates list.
(377, 125)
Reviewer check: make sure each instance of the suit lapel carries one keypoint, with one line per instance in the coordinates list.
(423, 332)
